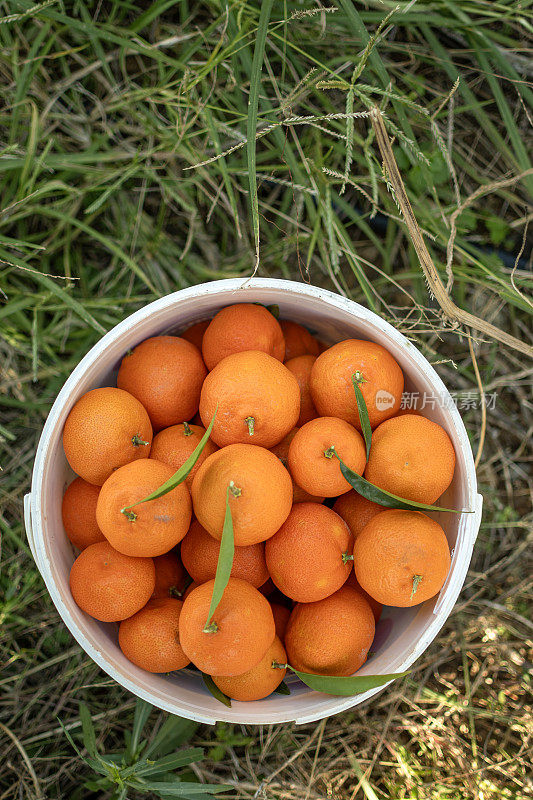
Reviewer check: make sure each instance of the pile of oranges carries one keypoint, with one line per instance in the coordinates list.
(314, 560)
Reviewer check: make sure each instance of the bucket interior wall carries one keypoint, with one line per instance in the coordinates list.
(400, 631)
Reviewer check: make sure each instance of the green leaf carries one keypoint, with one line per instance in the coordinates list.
(180, 788)
(345, 687)
(181, 474)
(170, 762)
(274, 310)
(213, 689)
(282, 688)
(357, 378)
(224, 564)
(383, 498)
(251, 124)
(87, 727)
(173, 733)
(140, 718)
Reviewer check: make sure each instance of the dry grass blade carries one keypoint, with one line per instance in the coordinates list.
(452, 312)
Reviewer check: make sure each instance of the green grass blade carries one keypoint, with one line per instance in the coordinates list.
(87, 728)
(224, 564)
(251, 125)
(180, 789)
(171, 762)
(345, 687)
(140, 718)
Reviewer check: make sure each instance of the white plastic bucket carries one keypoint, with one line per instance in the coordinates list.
(402, 634)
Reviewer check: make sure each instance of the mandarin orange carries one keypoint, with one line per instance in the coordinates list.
(174, 445)
(165, 373)
(376, 607)
(145, 529)
(259, 681)
(332, 636)
(109, 585)
(281, 618)
(356, 511)
(242, 327)
(199, 553)
(240, 633)
(195, 333)
(381, 382)
(281, 450)
(309, 557)
(312, 461)
(150, 638)
(257, 398)
(411, 457)
(78, 511)
(260, 495)
(402, 558)
(301, 367)
(298, 340)
(170, 577)
(106, 429)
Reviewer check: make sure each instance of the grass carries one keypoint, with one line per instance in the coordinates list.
(107, 109)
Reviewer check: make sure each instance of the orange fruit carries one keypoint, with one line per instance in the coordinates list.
(332, 636)
(199, 553)
(239, 635)
(281, 618)
(150, 639)
(258, 400)
(174, 445)
(170, 577)
(109, 585)
(402, 558)
(301, 367)
(242, 327)
(78, 511)
(195, 333)
(312, 463)
(260, 494)
(376, 607)
(356, 511)
(331, 382)
(259, 681)
(166, 374)
(106, 429)
(411, 457)
(281, 450)
(308, 558)
(298, 340)
(190, 588)
(146, 529)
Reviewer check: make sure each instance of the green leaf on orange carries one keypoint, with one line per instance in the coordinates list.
(213, 689)
(345, 687)
(383, 498)
(364, 419)
(224, 565)
(181, 474)
(282, 688)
